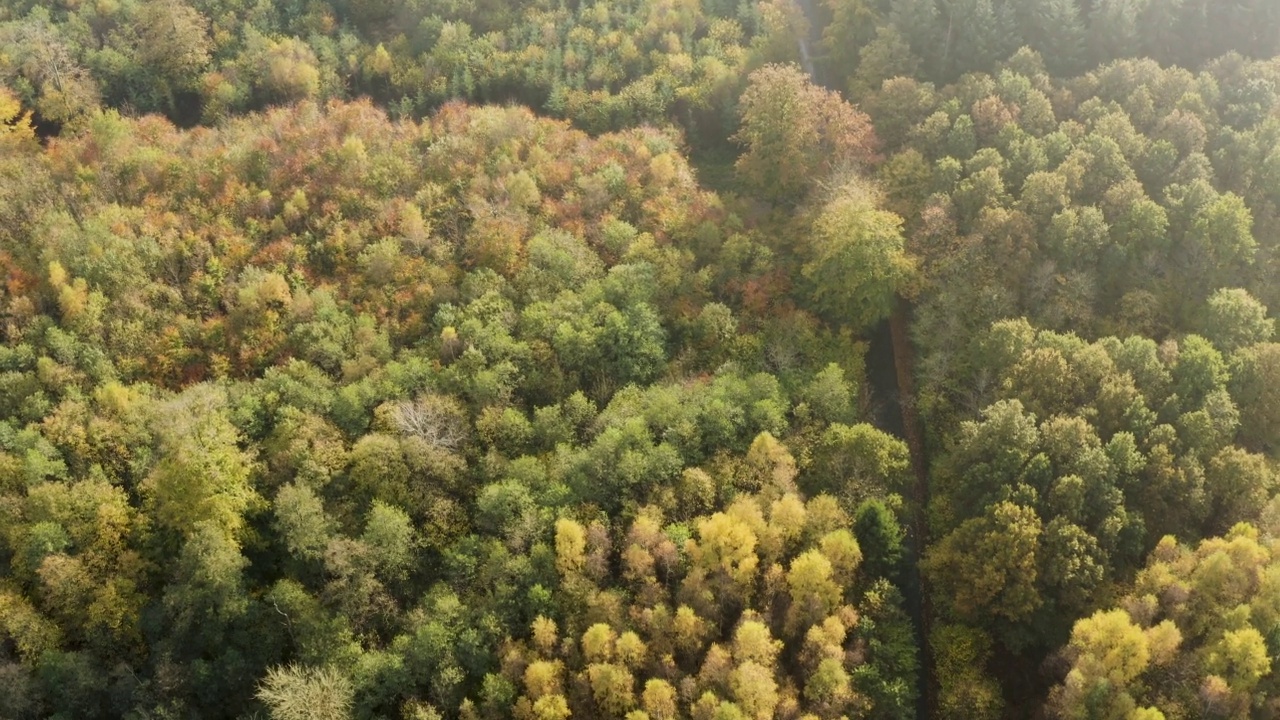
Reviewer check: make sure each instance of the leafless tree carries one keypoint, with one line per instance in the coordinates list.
(439, 421)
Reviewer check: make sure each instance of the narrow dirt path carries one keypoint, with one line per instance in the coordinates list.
(913, 432)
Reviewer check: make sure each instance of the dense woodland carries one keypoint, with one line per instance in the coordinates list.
(639, 360)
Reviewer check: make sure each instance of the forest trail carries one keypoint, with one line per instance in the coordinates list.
(904, 367)
(806, 39)
(901, 387)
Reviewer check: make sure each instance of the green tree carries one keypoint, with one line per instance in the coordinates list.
(1114, 28)
(201, 473)
(917, 21)
(209, 595)
(171, 44)
(976, 33)
(1054, 29)
(854, 463)
(857, 266)
(889, 678)
(851, 28)
(988, 566)
(1219, 245)
(814, 592)
(1238, 484)
(966, 690)
(880, 537)
(57, 87)
(1234, 319)
(301, 520)
(1255, 386)
(886, 57)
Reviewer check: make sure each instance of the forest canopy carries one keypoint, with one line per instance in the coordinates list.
(642, 360)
